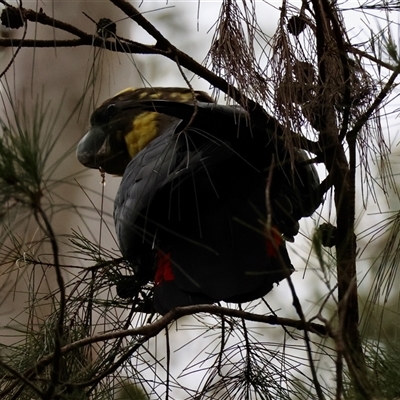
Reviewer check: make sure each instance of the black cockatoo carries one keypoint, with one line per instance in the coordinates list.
(207, 195)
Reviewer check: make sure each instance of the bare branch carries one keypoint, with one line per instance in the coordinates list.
(148, 331)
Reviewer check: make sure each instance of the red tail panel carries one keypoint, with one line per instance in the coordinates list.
(274, 241)
(164, 269)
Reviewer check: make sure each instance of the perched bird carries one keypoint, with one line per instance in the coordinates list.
(207, 196)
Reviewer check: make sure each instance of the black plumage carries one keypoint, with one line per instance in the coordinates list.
(205, 199)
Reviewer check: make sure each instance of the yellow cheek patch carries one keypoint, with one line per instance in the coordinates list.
(144, 130)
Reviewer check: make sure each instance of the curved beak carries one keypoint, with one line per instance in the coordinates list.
(94, 148)
(94, 151)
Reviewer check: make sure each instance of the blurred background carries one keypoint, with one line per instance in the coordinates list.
(73, 81)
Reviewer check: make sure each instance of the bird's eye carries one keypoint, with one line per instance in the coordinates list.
(111, 108)
(102, 116)
(109, 112)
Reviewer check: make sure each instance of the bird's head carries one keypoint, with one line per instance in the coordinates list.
(121, 127)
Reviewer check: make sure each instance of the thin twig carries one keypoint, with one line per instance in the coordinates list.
(58, 331)
(299, 310)
(23, 379)
(109, 371)
(14, 56)
(354, 50)
(167, 383)
(379, 99)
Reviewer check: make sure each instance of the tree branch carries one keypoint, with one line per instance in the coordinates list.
(150, 330)
(162, 47)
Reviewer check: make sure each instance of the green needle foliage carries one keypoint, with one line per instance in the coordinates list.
(331, 89)
(27, 141)
(28, 148)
